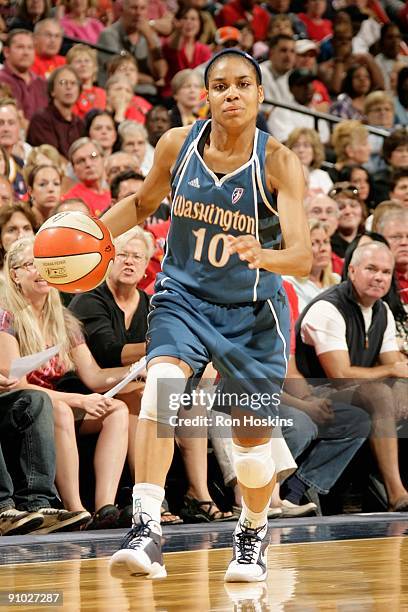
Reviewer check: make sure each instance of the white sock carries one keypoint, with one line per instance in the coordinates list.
(148, 498)
(252, 519)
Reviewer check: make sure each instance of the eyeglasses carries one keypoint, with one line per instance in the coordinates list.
(134, 256)
(27, 265)
(330, 212)
(81, 161)
(50, 35)
(397, 238)
(344, 188)
(67, 82)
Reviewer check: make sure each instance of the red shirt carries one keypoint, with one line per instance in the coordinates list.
(320, 93)
(337, 263)
(293, 311)
(159, 231)
(43, 66)
(402, 280)
(138, 109)
(97, 202)
(316, 31)
(95, 97)
(258, 18)
(177, 60)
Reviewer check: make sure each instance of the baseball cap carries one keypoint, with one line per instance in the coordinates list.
(222, 35)
(304, 45)
(233, 51)
(301, 76)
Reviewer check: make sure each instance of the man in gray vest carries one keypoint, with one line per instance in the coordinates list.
(347, 332)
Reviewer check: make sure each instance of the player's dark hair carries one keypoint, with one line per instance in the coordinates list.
(397, 175)
(398, 138)
(237, 53)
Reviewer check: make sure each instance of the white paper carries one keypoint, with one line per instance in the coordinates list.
(23, 365)
(136, 369)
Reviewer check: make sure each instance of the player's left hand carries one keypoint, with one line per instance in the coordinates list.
(248, 248)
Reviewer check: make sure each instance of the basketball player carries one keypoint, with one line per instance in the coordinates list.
(236, 194)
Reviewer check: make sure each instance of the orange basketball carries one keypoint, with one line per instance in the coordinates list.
(73, 252)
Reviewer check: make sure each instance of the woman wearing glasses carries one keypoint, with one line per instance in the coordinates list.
(34, 319)
(352, 216)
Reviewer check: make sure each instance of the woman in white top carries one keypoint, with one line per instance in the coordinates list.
(307, 145)
(321, 276)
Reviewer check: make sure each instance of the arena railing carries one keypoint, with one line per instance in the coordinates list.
(331, 119)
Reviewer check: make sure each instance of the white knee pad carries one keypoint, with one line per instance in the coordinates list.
(164, 383)
(281, 456)
(254, 466)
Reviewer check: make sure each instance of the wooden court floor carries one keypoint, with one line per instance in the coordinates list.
(344, 576)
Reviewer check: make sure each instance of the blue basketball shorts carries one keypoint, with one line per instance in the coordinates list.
(247, 344)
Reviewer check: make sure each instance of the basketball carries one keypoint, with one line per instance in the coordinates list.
(73, 252)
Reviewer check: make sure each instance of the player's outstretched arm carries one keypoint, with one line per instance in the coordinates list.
(284, 174)
(134, 209)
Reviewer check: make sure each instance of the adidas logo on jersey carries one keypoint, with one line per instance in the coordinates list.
(194, 183)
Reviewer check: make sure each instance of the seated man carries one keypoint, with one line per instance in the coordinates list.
(347, 332)
(56, 124)
(326, 433)
(48, 36)
(27, 430)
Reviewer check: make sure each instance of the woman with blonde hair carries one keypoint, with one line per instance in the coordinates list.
(33, 320)
(351, 146)
(134, 140)
(382, 209)
(47, 155)
(84, 61)
(307, 145)
(186, 87)
(321, 275)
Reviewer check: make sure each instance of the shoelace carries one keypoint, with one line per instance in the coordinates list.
(137, 533)
(247, 540)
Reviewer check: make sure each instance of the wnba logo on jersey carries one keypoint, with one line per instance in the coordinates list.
(237, 194)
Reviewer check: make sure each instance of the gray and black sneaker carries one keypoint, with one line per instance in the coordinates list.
(140, 552)
(19, 522)
(61, 520)
(248, 563)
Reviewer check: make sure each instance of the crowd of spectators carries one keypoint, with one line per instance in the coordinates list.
(87, 89)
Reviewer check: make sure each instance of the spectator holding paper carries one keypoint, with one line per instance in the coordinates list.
(34, 319)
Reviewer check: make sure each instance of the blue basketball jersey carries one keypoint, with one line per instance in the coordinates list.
(205, 209)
